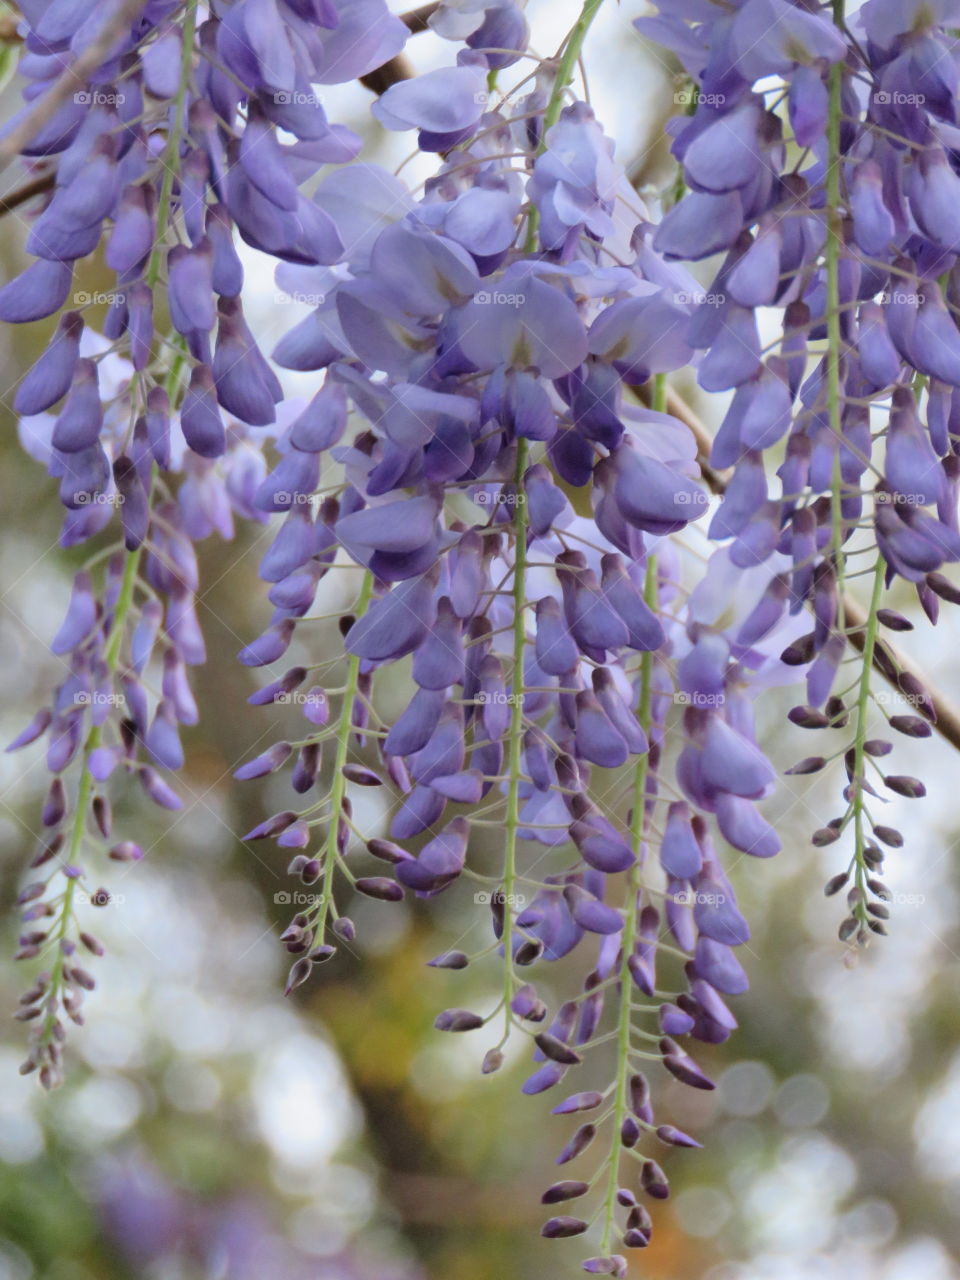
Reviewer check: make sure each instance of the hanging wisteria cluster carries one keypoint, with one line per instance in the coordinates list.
(495, 447)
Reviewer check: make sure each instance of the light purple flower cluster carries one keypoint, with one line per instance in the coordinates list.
(148, 431)
(503, 482)
(854, 244)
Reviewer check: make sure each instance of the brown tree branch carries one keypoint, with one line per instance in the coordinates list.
(20, 195)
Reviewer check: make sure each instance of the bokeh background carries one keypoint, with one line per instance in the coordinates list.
(211, 1130)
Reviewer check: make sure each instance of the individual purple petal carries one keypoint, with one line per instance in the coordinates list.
(190, 287)
(199, 415)
(51, 376)
(556, 652)
(395, 623)
(524, 323)
(447, 100)
(81, 616)
(716, 963)
(700, 225)
(596, 738)
(680, 854)
(81, 418)
(728, 153)
(732, 763)
(716, 915)
(651, 495)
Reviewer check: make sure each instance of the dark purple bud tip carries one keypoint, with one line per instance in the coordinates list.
(344, 928)
(836, 883)
(492, 1061)
(615, 1265)
(808, 718)
(564, 1191)
(895, 621)
(811, 764)
(636, 1239)
(683, 1067)
(912, 726)
(322, 953)
(387, 851)
(556, 1049)
(654, 1180)
(82, 978)
(379, 887)
(586, 1101)
(629, 1132)
(362, 776)
(458, 1020)
(268, 761)
(676, 1137)
(299, 972)
(449, 960)
(889, 836)
(904, 785)
(824, 836)
(578, 1143)
(272, 826)
(561, 1227)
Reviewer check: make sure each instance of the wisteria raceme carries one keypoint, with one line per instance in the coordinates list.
(493, 455)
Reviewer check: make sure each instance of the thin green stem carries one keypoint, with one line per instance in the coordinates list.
(338, 786)
(515, 732)
(625, 1012)
(861, 871)
(78, 827)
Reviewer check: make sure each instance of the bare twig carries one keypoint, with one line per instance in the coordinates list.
(418, 20)
(20, 195)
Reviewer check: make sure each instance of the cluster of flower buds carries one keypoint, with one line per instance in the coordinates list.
(517, 519)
